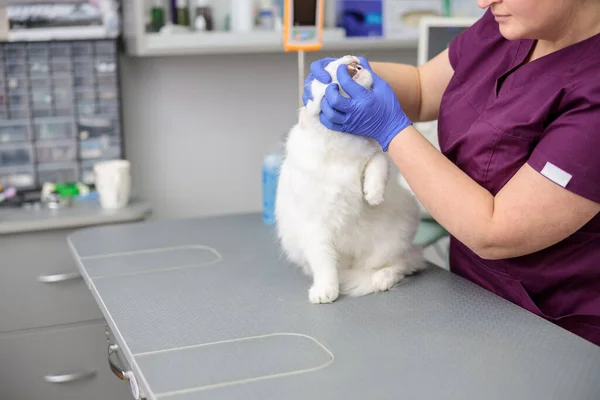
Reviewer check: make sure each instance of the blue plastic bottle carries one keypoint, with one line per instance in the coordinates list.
(270, 176)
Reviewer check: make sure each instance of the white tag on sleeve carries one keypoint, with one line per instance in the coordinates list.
(556, 174)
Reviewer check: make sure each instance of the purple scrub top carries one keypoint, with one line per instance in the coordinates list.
(545, 113)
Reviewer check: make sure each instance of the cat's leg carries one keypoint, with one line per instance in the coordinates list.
(387, 277)
(381, 269)
(375, 179)
(409, 262)
(322, 259)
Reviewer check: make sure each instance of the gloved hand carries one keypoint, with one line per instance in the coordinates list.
(317, 71)
(374, 113)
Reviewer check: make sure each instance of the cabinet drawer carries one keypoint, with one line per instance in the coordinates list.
(40, 283)
(77, 355)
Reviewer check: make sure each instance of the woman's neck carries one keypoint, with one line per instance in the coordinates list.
(580, 25)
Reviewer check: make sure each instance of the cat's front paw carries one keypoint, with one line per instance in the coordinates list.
(374, 194)
(323, 293)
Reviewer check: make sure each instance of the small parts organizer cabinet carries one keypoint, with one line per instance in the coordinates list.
(59, 110)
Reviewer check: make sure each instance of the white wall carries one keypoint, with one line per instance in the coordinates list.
(196, 128)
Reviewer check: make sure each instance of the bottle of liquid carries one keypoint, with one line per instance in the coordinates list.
(203, 19)
(266, 18)
(183, 13)
(242, 15)
(270, 177)
(157, 16)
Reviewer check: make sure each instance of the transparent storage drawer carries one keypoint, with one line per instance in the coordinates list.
(108, 108)
(22, 177)
(39, 69)
(63, 98)
(14, 131)
(58, 172)
(85, 94)
(16, 68)
(18, 90)
(39, 83)
(38, 52)
(54, 128)
(85, 82)
(15, 154)
(66, 111)
(18, 112)
(106, 47)
(18, 99)
(63, 82)
(87, 174)
(13, 82)
(86, 107)
(61, 65)
(42, 111)
(82, 49)
(103, 148)
(15, 51)
(41, 97)
(106, 65)
(60, 50)
(83, 67)
(108, 93)
(89, 128)
(107, 80)
(56, 151)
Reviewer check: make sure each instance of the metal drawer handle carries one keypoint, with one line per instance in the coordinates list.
(66, 276)
(119, 373)
(69, 377)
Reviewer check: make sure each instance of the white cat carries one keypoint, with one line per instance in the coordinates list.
(336, 217)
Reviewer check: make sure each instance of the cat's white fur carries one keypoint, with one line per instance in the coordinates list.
(337, 217)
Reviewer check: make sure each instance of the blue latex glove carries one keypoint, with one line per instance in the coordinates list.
(374, 113)
(317, 71)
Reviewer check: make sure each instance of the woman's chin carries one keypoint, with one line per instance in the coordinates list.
(510, 32)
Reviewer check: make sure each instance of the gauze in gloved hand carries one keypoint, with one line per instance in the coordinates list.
(374, 113)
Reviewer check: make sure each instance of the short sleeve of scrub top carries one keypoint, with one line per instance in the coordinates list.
(569, 150)
(498, 114)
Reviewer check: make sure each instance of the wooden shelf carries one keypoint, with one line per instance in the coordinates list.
(193, 43)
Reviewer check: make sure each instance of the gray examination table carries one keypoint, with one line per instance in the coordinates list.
(208, 309)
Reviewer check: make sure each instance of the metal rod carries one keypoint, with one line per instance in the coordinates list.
(300, 76)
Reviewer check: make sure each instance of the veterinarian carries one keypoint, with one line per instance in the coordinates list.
(517, 182)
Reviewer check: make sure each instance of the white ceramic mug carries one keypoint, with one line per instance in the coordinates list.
(113, 183)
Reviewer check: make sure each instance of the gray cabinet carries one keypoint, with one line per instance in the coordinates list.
(61, 363)
(40, 284)
(52, 333)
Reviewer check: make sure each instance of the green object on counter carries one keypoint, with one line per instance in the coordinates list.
(67, 189)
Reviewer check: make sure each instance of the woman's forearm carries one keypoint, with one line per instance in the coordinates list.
(457, 202)
(404, 79)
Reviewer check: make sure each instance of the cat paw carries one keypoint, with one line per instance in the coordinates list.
(385, 279)
(320, 294)
(374, 194)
